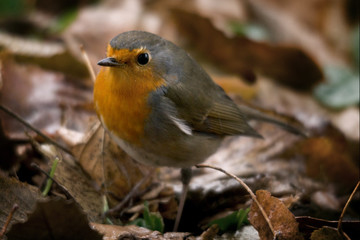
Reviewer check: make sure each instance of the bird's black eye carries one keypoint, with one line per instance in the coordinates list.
(143, 58)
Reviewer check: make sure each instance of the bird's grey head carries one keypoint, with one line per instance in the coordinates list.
(166, 57)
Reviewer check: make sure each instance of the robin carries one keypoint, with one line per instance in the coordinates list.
(162, 108)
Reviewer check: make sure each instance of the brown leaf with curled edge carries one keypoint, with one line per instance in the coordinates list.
(128, 232)
(113, 169)
(54, 219)
(327, 233)
(315, 25)
(288, 65)
(31, 93)
(49, 55)
(135, 232)
(308, 224)
(13, 192)
(42, 98)
(281, 218)
(329, 158)
(74, 181)
(79, 186)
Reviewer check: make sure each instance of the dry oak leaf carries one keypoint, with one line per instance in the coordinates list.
(135, 232)
(327, 233)
(281, 218)
(56, 219)
(108, 165)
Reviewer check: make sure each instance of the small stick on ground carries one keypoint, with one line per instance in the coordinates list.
(8, 219)
(131, 194)
(88, 64)
(339, 226)
(28, 125)
(253, 196)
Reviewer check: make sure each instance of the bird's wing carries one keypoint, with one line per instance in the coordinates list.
(208, 109)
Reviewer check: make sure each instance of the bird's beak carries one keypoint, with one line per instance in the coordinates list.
(109, 62)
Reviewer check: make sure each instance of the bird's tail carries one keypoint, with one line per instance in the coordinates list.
(254, 114)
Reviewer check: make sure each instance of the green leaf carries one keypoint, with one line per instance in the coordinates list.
(13, 8)
(50, 180)
(242, 217)
(152, 221)
(233, 221)
(340, 90)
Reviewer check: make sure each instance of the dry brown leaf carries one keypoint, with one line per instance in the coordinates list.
(73, 179)
(168, 209)
(134, 232)
(210, 233)
(80, 187)
(315, 25)
(16, 192)
(120, 232)
(308, 224)
(327, 233)
(281, 218)
(49, 55)
(31, 93)
(41, 98)
(54, 219)
(328, 158)
(104, 26)
(326, 199)
(113, 169)
(285, 64)
(219, 14)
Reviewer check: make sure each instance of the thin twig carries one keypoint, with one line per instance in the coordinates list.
(88, 64)
(28, 125)
(247, 189)
(8, 219)
(128, 196)
(339, 226)
(67, 194)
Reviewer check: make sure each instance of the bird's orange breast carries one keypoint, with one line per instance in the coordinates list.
(121, 100)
